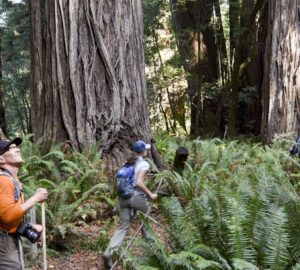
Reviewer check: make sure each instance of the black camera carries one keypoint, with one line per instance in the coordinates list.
(26, 230)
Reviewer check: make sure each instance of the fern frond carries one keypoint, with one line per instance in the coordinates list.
(87, 194)
(190, 261)
(71, 164)
(296, 267)
(239, 264)
(211, 254)
(54, 154)
(46, 183)
(293, 213)
(278, 243)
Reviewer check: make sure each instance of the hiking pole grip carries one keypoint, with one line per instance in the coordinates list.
(44, 237)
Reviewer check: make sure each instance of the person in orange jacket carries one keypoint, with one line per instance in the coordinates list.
(13, 207)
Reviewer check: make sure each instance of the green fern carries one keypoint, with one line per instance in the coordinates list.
(296, 267)
(239, 264)
(278, 241)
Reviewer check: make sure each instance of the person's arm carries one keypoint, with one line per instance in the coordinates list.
(40, 195)
(141, 185)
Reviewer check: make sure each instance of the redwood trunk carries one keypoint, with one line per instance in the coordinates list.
(88, 85)
(281, 86)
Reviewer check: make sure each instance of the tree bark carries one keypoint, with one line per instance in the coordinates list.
(281, 86)
(37, 105)
(90, 85)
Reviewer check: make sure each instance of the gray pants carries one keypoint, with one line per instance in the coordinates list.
(9, 252)
(136, 202)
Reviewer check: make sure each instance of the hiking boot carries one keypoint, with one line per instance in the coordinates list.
(108, 262)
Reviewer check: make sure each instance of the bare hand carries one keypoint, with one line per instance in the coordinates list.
(41, 194)
(153, 196)
(37, 227)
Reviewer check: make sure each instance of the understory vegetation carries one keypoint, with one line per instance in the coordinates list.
(236, 205)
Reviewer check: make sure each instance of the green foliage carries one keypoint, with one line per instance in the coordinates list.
(15, 49)
(165, 75)
(235, 207)
(76, 182)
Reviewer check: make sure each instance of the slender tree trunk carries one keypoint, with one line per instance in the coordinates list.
(262, 50)
(2, 108)
(281, 100)
(89, 84)
(251, 70)
(221, 42)
(234, 25)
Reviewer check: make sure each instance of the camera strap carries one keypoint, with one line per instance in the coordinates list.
(21, 251)
(17, 187)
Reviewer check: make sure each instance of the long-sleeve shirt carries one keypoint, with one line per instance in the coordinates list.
(11, 212)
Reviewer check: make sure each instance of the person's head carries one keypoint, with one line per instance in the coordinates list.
(140, 148)
(10, 154)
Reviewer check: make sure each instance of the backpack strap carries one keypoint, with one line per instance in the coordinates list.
(17, 188)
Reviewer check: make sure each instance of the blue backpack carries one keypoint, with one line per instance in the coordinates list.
(125, 181)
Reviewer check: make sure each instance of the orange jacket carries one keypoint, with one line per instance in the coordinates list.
(11, 213)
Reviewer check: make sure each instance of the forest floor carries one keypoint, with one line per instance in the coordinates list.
(83, 254)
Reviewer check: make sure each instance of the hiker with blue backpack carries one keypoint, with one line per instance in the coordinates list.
(133, 195)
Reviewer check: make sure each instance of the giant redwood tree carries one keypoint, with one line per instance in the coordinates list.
(88, 82)
(281, 87)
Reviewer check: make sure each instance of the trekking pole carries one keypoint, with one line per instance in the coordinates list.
(44, 237)
(136, 233)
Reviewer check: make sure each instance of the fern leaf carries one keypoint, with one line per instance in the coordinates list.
(278, 241)
(239, 264)
(46, 183)
(296, 267)
(54, 153)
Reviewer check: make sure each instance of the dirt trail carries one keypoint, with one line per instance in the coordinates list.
(88, 259)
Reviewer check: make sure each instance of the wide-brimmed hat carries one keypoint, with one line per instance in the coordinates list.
(4, 144)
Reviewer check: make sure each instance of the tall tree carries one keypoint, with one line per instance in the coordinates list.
(221, 42)
(234, 25)
(281, 87)
(88, 81)
(197, 47)
(239, 65)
